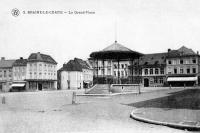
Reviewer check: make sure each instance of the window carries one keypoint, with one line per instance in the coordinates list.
(30, 74)
(186, 61)
(4, 73)
(175, 70)
(181, 61)
(109, 71)
(161, 80)
(115, 73)
(126, 66)
(194, 61)
(115, 66)
(181, 71)
(122, 65)
(122, 73)
(118, 73)
(155, 80)
(125, 73)
(193, 70)
(161, 70)
(188, 70)
(146, 71)
(151, 71)
(169, 62)
(156, 71)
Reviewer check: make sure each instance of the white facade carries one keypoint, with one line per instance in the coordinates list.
(41, 70)
(71, 80)
(75, 79)
(19, 73)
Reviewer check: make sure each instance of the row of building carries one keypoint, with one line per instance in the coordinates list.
(38, 72)
(121, 65)
(115, 64)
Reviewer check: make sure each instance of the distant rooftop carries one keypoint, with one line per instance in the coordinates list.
(20, 62)
(6, 63)
(41, 57)
(75, 65)
(153, 59)
(183, 51)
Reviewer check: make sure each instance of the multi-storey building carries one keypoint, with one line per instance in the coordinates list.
(19, 74)
(41, 72)
(6, 74)
(151, 70)
(182, 67)
(76, 74)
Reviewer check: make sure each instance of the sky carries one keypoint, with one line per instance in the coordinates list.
(146, 26)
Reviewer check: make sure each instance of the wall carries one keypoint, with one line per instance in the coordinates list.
(73, 78)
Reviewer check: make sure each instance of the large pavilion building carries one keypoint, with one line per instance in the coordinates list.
(111, 64)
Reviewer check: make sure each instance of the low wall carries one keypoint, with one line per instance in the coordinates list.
(120, 88)
(38, 100)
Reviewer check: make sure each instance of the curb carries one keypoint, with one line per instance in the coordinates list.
(112, 94)
(173, 125)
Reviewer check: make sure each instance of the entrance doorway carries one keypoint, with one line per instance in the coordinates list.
(40, 86)
(146, 82)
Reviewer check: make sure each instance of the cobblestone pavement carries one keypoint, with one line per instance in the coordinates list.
(90, 114)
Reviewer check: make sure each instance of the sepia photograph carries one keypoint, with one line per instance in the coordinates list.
(91, 66)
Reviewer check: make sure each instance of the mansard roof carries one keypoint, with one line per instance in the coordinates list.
(152, 59)
(6, 63)
(181, 52)
(41, 57)
(75, 65)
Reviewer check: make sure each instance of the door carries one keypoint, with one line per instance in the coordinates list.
(40, 86)
(68, 83)
(146, 82)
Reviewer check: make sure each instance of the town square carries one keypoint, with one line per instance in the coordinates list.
(109, 66)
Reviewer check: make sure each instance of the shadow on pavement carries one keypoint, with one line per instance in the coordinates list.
(186, 99)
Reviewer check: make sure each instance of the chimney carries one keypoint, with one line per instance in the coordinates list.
(169, 50)
(2, 58)
(197, 52)
(21, 58)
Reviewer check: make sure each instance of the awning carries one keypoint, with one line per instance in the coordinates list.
(18, 85)
(87, 82)
(181, 79)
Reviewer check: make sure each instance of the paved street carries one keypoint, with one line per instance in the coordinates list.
(90, 114)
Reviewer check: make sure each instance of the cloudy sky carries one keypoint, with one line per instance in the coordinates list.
(147, 26)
